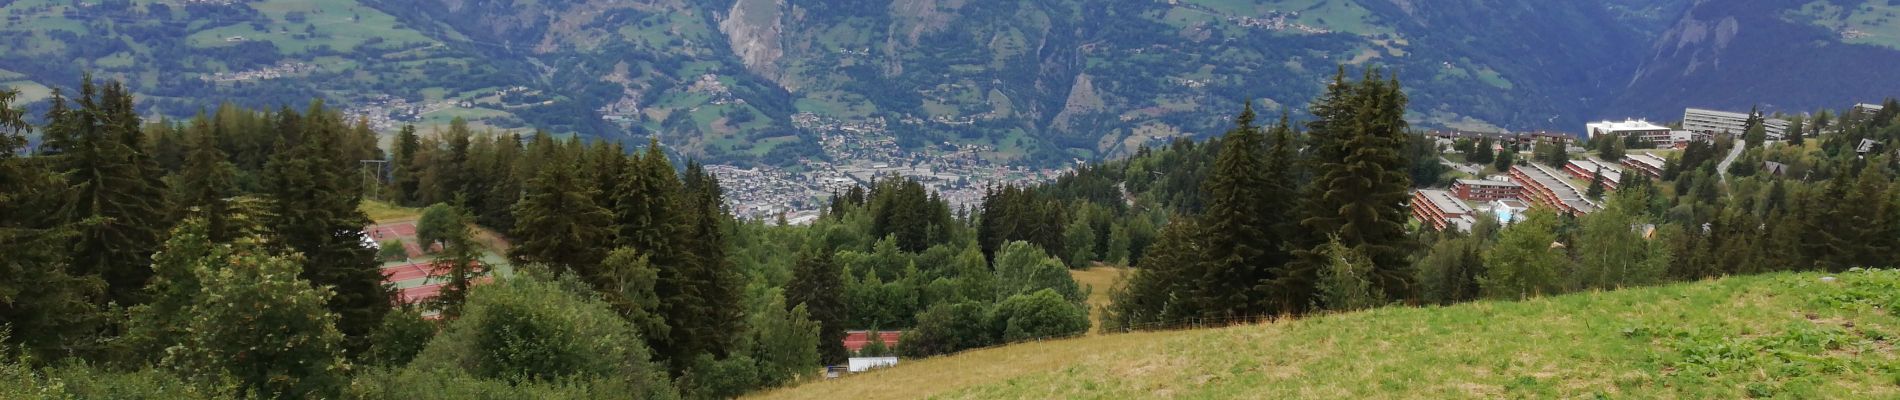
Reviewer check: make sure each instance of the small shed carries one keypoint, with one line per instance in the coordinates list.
(861, 364)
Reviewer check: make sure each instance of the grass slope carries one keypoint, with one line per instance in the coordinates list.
(1779, 335)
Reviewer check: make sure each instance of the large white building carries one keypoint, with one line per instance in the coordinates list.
(1648, 131)
(1733, 123)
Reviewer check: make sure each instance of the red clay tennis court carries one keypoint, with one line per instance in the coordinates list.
(405, 272)
(425, 292)
(391, 231)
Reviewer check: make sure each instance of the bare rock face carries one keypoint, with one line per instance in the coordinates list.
(753, 29)
(1083, 99)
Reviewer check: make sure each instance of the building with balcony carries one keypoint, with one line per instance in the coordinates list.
(1731, 123)
(1543, 187)
(1484, 189)
(1439, 210)
(1588, 169)
(1646, 164)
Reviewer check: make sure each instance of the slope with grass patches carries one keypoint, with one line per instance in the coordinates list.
(1780, 335)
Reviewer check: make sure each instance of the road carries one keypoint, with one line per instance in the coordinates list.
(1733, 154)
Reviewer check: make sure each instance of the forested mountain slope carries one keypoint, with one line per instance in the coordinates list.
(1034, 80)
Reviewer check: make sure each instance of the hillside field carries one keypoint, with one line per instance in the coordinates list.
(1777, 335)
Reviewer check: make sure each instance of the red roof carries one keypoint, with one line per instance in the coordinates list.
(855, 340)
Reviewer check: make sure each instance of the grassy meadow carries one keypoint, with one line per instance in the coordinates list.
(1778, 335)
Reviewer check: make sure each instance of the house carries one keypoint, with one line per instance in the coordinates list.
(1775, 168)
(1543, 187)
(1588, 169)
(1484, 189)
(1646, 164)
(1438, 209)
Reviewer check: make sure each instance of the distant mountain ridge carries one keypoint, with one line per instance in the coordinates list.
(1037, 81)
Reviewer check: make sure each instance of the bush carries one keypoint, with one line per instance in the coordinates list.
(949, 328)
(1043, 314)
(402, 335)
(530, 331)
(391, 250)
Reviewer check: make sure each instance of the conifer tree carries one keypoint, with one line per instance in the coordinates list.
(1595, 190)
(644, 206)
(1243, 248)
(558, 223)
(701, 289)
(818, 285)
(629, 287)
(207, 180)
(459, 262)
(118, 202)
(1754, 133)
(1360, 190)
(313, 211)
(408, 170)
(1482, 153)
(1505, 159)
(48, 308)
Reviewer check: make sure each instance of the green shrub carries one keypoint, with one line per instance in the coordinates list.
(527, 330)
(1043, 314)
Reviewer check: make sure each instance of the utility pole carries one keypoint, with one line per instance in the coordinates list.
(374, 176)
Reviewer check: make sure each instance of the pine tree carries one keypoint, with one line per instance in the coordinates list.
(118, 202)
(818, 285)
(313, 210)
(1483, 153)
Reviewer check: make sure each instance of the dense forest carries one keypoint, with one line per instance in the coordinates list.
(224, 255)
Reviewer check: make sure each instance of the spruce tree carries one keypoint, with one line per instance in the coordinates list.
(702, 289)
(49, 309)
(818, 284)
(118, 203)
(1595, 190)
(1242, 246)
(558, 223)
(207, 181)
(1360, 190)
(314, 211)
(408, 171)
(644, 206)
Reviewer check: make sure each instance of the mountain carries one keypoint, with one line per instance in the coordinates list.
(1791, 335)
(1037, 81)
